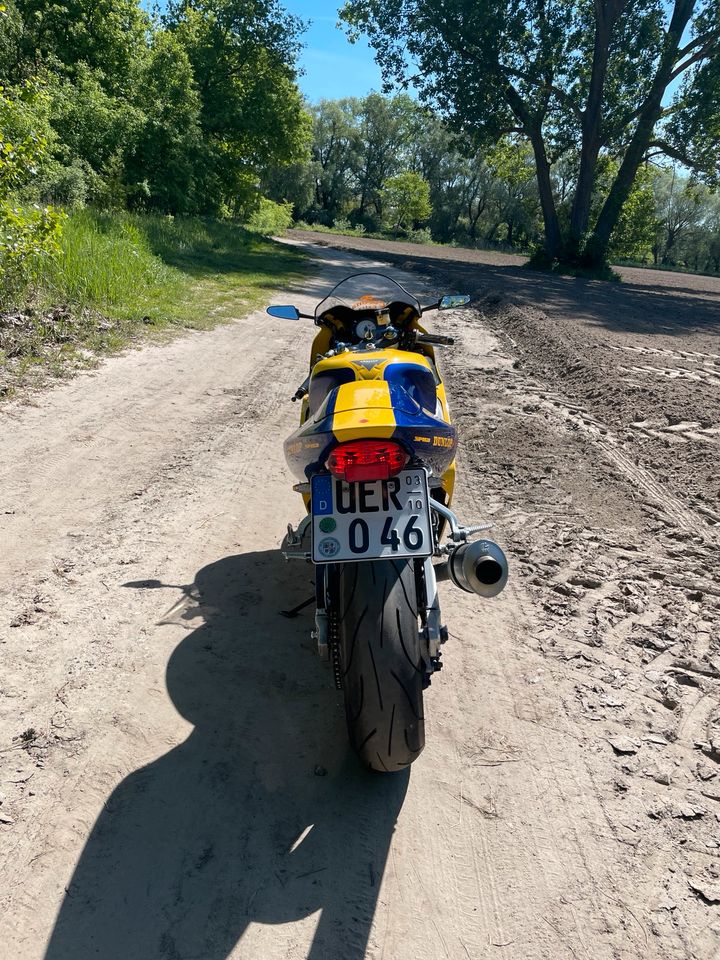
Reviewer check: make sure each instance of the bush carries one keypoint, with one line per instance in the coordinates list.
(366, 222)
(270, 218)
(420, 236)
(29, 233)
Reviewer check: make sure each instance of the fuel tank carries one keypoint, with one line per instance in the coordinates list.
(371, 394)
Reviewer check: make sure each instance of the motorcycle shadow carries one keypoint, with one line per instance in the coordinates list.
(261, 815)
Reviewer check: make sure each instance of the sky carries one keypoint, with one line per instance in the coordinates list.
(333, 67)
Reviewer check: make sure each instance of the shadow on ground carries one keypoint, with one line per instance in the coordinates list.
(203, 841)
(646, 302)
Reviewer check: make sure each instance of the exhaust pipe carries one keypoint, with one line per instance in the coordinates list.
(479, 567)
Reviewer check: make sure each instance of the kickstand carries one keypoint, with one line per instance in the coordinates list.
(291, 614)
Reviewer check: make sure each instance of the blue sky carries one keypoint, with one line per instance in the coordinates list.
(333, 66)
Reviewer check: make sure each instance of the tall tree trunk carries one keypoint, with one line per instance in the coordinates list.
(649, 116)
(532, 126)
(669, 245)
(553, 236)
(607, 13)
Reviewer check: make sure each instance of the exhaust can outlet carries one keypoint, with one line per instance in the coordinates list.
(479, 567)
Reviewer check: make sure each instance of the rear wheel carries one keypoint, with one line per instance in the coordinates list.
(380, 661)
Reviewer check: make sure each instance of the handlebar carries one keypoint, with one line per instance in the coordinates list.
(301, 390)
(435, 338)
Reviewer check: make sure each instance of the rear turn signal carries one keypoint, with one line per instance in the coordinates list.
(367, 460)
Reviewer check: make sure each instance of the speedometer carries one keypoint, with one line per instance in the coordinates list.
(365, 329)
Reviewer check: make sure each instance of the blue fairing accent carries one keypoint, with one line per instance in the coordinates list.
(416, 380)
(409, 413)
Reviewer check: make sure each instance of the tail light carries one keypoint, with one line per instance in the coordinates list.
(367, 460)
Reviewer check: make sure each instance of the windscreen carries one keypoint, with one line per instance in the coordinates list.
(367, 291)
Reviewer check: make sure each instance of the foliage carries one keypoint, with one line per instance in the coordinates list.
(28, 233)
(270, 219)
(681, 204)
(11, 29)
(181, 114)
(385, 134)
(406, 200)
(103, 36)
(574, 80)
(168, 142)
(692, 133)
(638, 223)
(96, 128)
(251, 113)
(335, 146)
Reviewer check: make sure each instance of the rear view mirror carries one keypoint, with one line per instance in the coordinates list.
(284, 313)
(453, 300)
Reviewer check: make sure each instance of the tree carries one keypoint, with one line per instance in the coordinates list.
(513, 196)
(292, 183)
(638, 223)
(97, 128)
(557, 73)
(406, 200)
(11, 29)
(103, 35)
(242, 54)
(460, 184)
(384, 135)
(167, 145)
(334, 155)
(679, 205)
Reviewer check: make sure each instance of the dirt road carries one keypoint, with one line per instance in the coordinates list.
(175, 781)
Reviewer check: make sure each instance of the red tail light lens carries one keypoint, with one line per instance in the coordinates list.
(367, 460)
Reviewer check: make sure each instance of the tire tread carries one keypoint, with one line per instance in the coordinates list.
(382, 662)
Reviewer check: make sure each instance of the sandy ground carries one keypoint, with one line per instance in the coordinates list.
(175, 779)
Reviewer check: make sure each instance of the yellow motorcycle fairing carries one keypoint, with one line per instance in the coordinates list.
(376, 394)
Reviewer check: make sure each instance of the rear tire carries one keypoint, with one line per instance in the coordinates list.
(381, 662)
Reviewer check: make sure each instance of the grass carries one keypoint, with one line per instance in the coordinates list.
(121, 276)
(419, 237)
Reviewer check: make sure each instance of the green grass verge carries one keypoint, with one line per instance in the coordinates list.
(119, 276)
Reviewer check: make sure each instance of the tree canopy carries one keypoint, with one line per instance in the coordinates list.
(576, 79)
(180, 114)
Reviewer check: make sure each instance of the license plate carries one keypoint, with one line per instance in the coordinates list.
(371, 519)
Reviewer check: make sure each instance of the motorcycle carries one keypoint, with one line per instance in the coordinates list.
(374, 460)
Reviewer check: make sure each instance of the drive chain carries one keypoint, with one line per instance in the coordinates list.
(334, 645)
